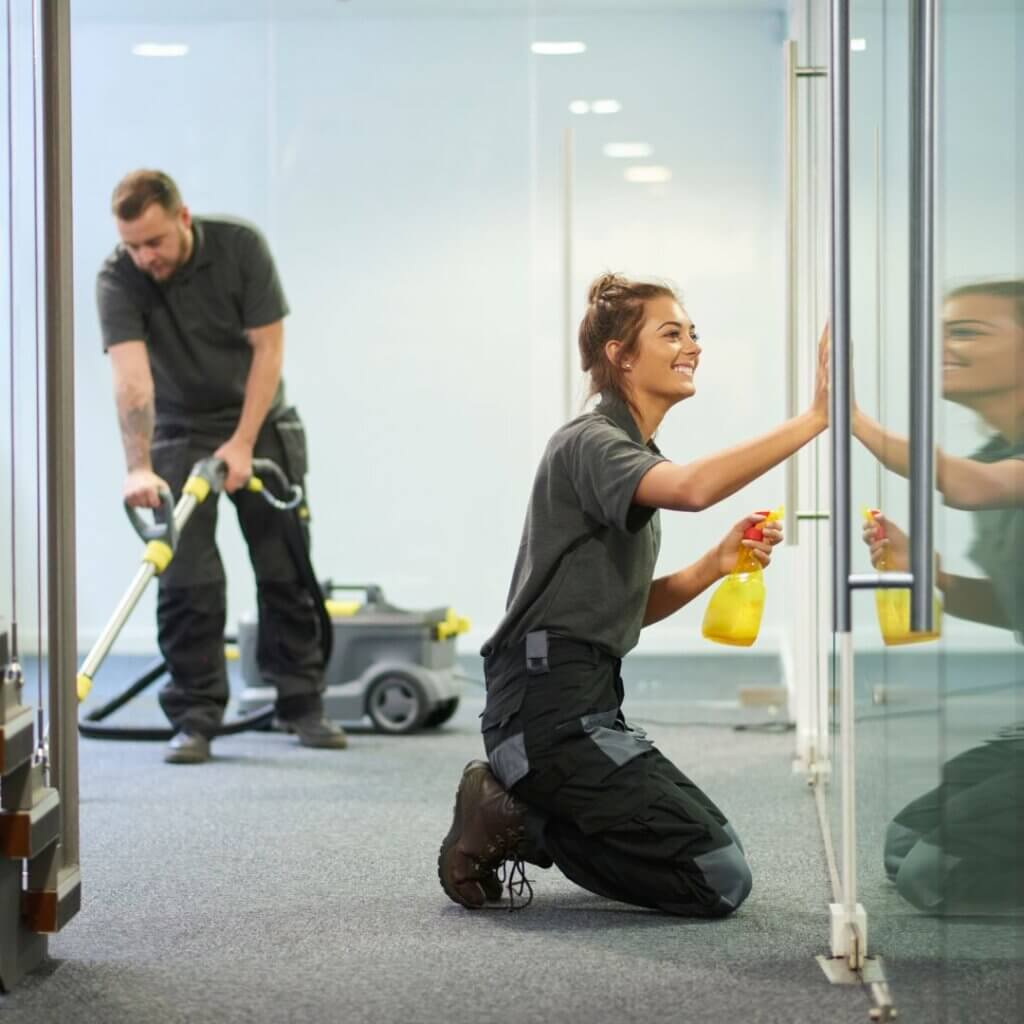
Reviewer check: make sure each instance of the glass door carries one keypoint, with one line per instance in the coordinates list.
(938, 791)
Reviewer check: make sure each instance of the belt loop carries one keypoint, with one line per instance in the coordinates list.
(537, 653)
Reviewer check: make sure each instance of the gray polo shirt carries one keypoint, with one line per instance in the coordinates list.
(587, 553)
(194, 324)
(998, 544)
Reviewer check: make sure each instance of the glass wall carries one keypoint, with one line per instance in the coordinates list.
(940, 760)
(438, 194)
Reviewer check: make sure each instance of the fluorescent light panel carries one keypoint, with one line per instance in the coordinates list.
(558, 49)
(606, 106)
(628, 150)
(858, 44)
(648, 174)
(579, 107)
(160, 49)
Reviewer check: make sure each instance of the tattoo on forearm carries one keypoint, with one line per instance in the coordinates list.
(136, 423)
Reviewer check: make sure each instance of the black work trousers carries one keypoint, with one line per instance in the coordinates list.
(606, 807)
(957, 849)
(192, 606)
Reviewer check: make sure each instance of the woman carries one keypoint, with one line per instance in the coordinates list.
(957, 848)
(569, 782)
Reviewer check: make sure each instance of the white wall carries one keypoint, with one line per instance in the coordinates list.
(709, 100)
(406, 172)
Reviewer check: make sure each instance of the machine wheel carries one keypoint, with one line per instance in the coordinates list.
(396, 703)
(441, 713)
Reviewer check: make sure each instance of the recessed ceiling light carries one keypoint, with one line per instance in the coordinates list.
(579, 107)
(648, 174)
(858, 44)
(634, 150)
(606, 106)
(567, 49)
(160, 49)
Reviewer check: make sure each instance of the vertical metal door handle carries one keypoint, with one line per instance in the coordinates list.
(839, 392)
(922, 310)
(793, 73)
(791, 522)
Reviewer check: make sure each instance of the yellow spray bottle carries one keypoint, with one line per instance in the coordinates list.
(734, 612)
(893, 606)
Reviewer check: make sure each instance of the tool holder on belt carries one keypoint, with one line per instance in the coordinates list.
(161, 537)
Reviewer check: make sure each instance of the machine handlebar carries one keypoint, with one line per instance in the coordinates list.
(162, 526)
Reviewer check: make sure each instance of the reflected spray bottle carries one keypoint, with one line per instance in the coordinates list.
(893, 606)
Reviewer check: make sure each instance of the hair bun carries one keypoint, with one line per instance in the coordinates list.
(604, 285)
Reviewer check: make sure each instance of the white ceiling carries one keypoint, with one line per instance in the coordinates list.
(229, 10)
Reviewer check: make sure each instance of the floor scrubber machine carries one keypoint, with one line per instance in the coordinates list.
(393, 666)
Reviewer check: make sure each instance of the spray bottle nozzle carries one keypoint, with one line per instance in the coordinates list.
(756, 532)
(870, 516)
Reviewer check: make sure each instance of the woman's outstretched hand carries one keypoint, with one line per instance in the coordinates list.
(733, 542)
(819, 405)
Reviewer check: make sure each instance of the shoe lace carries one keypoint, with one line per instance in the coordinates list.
(512, 875)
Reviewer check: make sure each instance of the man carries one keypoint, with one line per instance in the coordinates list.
(191, 311)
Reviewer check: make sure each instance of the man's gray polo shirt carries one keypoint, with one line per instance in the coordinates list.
(194, 325)
(587, 554)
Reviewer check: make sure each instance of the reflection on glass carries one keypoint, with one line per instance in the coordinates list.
(957, 849)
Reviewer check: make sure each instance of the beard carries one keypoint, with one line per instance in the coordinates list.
(167, 269)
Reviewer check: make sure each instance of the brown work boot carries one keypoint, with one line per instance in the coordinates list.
(487, 827)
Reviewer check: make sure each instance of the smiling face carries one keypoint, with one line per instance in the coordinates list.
(982, 348)
(158, 242)
(665, 361)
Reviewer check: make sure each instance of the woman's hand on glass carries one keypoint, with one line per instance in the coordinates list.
(819, 405)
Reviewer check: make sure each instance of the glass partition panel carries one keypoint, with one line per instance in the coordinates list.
(966, 866)
(939, 756)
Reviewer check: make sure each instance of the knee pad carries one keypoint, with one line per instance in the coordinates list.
(727, 872)
(899, 841)
(923, 876)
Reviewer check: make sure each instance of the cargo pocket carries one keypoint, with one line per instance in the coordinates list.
(503, 738)
(617, 741)
(292, 435)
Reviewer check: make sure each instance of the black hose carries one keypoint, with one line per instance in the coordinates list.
(89, 727)
(149, 676)
(261, 718)
(297, 541)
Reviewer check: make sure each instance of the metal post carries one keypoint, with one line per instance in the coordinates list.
(922, 310)
(792, 526)
(569, 360)
(60, 418)
(839, 396)
(847, 783)
(849, 923)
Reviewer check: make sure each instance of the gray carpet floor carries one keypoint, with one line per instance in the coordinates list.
(283, 884)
